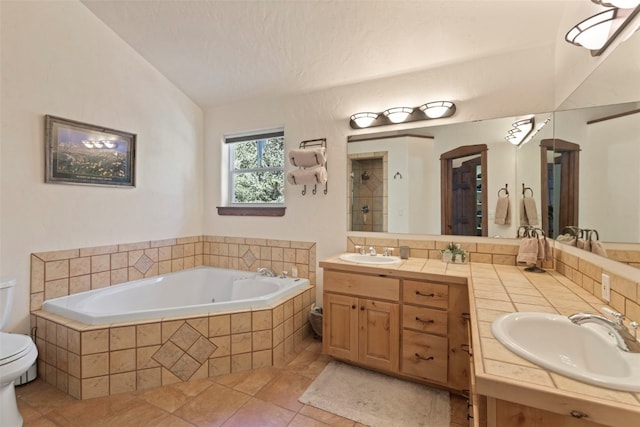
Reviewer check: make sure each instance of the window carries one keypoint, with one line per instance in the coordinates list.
(256, 169)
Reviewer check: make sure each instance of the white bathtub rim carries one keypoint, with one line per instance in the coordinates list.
(190, 311)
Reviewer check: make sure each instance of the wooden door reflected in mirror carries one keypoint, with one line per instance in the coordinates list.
(463, 191)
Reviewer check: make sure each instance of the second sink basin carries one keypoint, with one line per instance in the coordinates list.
(585, 353)
(369, 259)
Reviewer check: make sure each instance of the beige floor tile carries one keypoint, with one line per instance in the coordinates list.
(260, 413)
(284, 390)
(303, 421)
(249, 382)
(325, 417)
(213, 406)
(42, 397)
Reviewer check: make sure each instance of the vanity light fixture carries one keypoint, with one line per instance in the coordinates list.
(364, 120)
(620, 4)
(438, 109)
(398, 114)
(598, 31)
(520, 130)
(431, 110)
(593, 32)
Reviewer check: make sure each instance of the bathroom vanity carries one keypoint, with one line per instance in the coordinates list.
(430, 322)
(392, 322)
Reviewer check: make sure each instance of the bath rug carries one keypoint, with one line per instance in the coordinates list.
(375, 399)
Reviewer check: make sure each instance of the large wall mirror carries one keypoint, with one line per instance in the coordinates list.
(396, 178)
(601, 118)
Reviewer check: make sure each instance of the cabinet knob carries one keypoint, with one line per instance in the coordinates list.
(353, 306)
(362, 308)
(424, 321)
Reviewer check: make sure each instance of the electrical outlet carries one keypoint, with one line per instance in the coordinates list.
(606, 288)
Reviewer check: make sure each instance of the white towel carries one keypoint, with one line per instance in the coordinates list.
(313, 175)
(503, 216)
(528, 250)
(308, 157)
(528, 211)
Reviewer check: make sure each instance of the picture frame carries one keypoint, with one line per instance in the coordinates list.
(85, 154)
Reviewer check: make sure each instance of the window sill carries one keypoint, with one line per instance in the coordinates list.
(251, 211)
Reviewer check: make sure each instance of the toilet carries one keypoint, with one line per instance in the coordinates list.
(17, 355)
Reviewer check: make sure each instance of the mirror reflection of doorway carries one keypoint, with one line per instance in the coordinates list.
(464, 196)
(368, 201)
(560, 190)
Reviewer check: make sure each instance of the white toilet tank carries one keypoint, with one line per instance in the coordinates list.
(6, 300)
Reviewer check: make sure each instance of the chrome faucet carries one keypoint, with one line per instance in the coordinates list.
(360, 249)
(266, 271)
(372, 251)
(617, 330)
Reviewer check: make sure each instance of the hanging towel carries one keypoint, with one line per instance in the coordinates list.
(528, 250)
(598, 248)
(313, 175)
(528, 211)
(308, 157)
(503, 216)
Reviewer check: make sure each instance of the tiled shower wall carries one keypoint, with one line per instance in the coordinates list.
(90, 361)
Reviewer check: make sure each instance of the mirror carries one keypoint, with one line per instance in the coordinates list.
(609, 199)
(408, 178)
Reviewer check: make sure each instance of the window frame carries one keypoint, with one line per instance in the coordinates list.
(254, 208)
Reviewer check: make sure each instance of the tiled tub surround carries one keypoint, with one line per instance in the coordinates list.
(90, 361)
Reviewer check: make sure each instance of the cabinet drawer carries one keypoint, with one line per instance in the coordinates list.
(424, 319)
(425, 293)
(378, 287)
(425, 356)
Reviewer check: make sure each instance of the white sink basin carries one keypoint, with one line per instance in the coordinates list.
(370, 259)
(585, 353)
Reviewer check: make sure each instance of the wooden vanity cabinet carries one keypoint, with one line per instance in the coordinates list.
(406, 327)
(361, 319)
(434, 332)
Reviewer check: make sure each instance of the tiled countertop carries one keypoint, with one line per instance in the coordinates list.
(498, 289)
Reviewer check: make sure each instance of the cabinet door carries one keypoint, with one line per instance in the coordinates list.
(379, 334)
(340, 326)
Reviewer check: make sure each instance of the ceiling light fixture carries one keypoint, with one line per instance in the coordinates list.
(398, 114)
(438, 109)
(593, 32)
(599, 31)
(364, 120)
(431, 110)
(620, 4)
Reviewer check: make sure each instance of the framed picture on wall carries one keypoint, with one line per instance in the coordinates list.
(80, 153)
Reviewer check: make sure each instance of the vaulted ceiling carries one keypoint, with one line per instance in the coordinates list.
(221, 51)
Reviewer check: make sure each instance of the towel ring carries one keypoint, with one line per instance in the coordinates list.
(506, 191)
(524, 190)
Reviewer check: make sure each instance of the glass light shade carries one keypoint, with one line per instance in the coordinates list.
(398, 114)
(436, 109)
(520, 130)
(593, 32)
(364, 120)
(620, 4)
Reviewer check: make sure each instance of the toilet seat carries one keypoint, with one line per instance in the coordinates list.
(13, 347)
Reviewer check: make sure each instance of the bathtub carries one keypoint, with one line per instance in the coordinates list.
(200, 290)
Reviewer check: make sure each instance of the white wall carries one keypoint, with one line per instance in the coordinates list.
(59, 59)
(482, 88)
